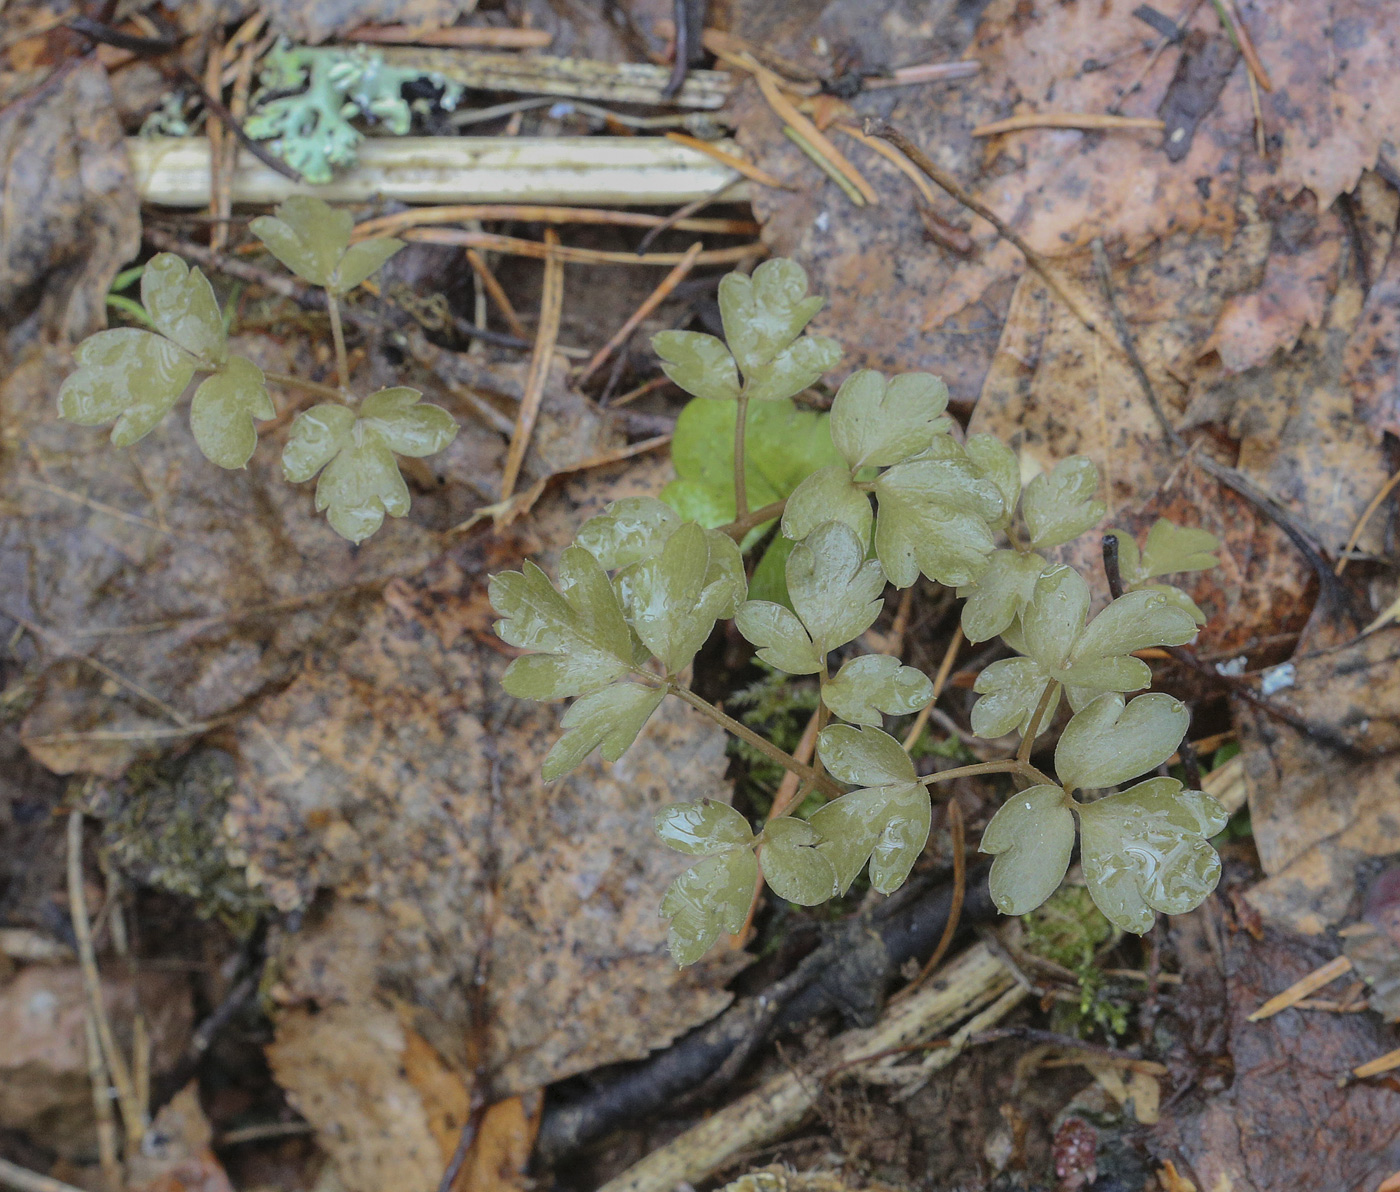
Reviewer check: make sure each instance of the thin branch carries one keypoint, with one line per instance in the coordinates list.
(940, 680)
(742, 525)
(547, 335)
(681, 216)
(292, 382)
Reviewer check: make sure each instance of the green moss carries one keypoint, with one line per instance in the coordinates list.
(1068, 929)
(162, 829)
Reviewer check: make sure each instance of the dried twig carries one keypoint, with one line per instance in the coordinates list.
(392, 225)
(514, 246)
(734, 162)
(546, 336)
(826, 167)
(1086, 120)
(940, 680)
(1376, 502)
(893, 156)
(21, 1179)
(787, 111)
(1301, 989)
(497, 292)
(652, 301)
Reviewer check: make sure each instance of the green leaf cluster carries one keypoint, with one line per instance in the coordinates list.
(880, 492)
(133, 378)
(312, 239)
(1169, 550)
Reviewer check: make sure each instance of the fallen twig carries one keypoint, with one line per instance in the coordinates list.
(826, 167)
(491, 284)
(732, 160)
(393, 225)
(1085, 120)
(513, 246)
(1301, 989)
(547, 335)
(1376, 502)
(458, 36)
(651, 302)
(787, 111)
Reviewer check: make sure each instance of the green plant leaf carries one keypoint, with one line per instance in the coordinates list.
(769, 579)
(611, 718)
(765, 312)
(1108, 742)
(1000, 596)
(708, 898)
(874, 683)
(1178, 599)
(181, 305)
(312, 239)
(834, 588)
(794, 369)
(828, 494)
(127, 376)
(1054, 618)
(996, 462)
(864, 756)
(702, 828)
(223, 410)
(885, 825)
(1135, 621)
(408, 426)
(361, 481)
(878, 422)
(674, 598)
(791, 864)
(783, 446)
(779, 635)
(933, 518)
(1010, 690)
(1169, 550)
(583, 637)
(1147, 850)
(1058, 505)
(1031, 836)
(699, 364)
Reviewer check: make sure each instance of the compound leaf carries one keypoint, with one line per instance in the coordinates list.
(611, 718)
(1031, 837)
(1058, 505)
(1135, 621)
(779, 635)
(126, 376)
(223, 409)
(702, 828)
(996, 462)
(828, 494)
(698, 363)
(584, 640)
(1054, 617)
(765, 312)
(874, 683)
(1171, 549)
(885, 825)
(1147, 850)
(864, 756)
(312, 239)
(708, 898)
(999, 597)
(628, 531)
(316, 436)
(834, 588)
(1108, 742)
(793, 369)
(182, 307)
(1010, 691)
(791, 864)
(674, 598)
(881, 422)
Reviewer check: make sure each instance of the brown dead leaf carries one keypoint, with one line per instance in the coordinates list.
(502, 1149)
(1285, 1121)
(1318, 814)
(70, 217)
(175, 1155)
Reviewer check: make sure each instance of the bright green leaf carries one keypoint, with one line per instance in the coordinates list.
(1010, 691)
(312, 239)
(794, 369)
(874, 683)
(1135, 621)
(834, 588)
(584, 640)
(1031, 837)
(1058, 505)
(126, 376)
(1171, 549)
(223, 409)
(181, 305)
(1054, 618)
(359, 486)
(1108, 742)
(765, 312)
(933, 518)
(699, 364)
(364, 259)
(881, 422)
(708, 898)
(999, 597)
(702, 828)
(769, 579)
(611, 718)
(864, 756)
(828, 494)
(1147, 850)
(791, 864)
(885, 825)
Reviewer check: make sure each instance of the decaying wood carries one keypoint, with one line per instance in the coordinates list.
(580, 171)
(976, 981)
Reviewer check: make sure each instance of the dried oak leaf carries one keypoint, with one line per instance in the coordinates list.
(1286, 1120)
(1317, 813)
(71, 215)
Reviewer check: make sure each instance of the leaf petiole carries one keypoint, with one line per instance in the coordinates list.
(342, 367)
(294, 382)
(741, 526)
(1023, 754)
(1010, 766)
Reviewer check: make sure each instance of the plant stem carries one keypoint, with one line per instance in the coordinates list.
(741, 487)
(292, 382)
(1023, 754)
(741, 526)
(342, 367)
(1010, 766)
(764, 746)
